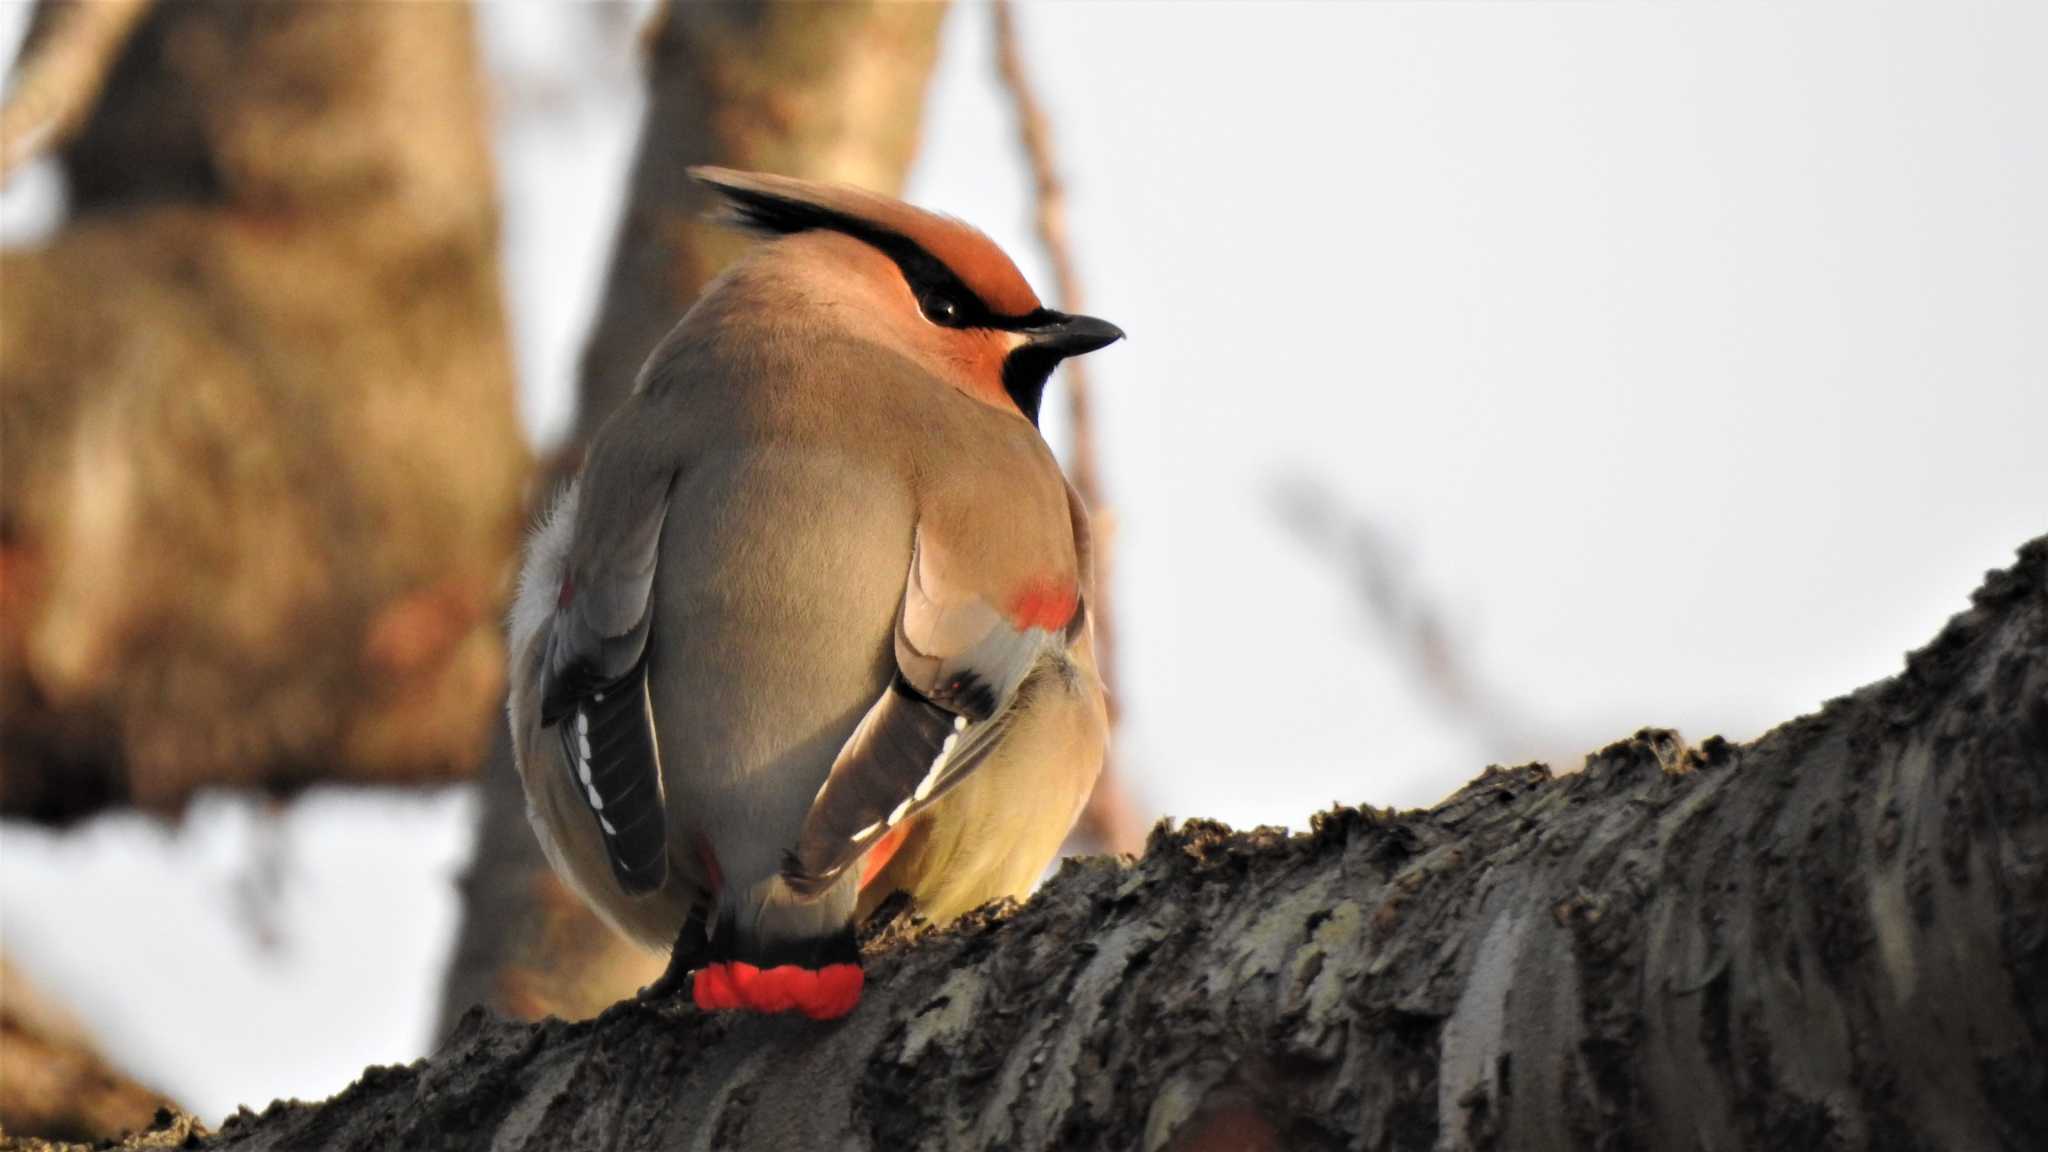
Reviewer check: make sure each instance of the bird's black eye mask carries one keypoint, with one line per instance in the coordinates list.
(947, 302)
(941, 295)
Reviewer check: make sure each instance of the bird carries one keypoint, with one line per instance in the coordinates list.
(811, 627)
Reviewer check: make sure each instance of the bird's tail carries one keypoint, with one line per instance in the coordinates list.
(771, 951)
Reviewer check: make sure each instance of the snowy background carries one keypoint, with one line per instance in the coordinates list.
(1689, 359)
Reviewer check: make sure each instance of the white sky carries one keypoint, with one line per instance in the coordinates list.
(1691, 357)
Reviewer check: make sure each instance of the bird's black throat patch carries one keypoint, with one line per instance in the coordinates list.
(1025, 372)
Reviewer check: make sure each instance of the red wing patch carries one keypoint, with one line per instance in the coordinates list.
(1046, 603)
(879, 856)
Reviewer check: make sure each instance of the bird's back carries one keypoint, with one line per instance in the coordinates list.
(770, 643)
(773, 636)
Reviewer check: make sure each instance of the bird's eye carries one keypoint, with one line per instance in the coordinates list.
(940, 309)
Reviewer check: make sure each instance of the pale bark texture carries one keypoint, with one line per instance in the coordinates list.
(262, 463)
(1835, 937)
(822, 91)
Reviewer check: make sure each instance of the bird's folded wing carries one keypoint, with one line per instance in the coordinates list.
(959, 663)
(605, 606)
(594, 675)
(608, 741)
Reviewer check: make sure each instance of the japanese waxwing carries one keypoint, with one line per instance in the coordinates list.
(811, 627)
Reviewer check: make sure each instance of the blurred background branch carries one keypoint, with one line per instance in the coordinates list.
(1410, 621)
(1112, 821)
(262, 459)
(263, 462)
(65, 59)
(54, 1083)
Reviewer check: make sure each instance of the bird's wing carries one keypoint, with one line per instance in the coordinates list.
(594, 674)
(959, 661)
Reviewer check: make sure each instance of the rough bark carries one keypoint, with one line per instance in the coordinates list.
(263, 465)
(1834, 937)
(824, 91)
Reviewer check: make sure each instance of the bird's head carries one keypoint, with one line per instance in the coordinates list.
(926, 285)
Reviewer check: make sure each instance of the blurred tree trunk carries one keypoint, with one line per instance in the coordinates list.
(1835, 937)
(53, 1083)
(262, 464)
(825, 91)
(821, 91)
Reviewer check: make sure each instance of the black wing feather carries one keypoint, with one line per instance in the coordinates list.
(609, 745)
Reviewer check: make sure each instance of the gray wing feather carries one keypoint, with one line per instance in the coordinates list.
(606, 605)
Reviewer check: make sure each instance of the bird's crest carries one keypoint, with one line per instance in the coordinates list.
(927, 245)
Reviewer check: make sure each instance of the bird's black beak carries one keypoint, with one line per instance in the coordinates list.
(1049, 337)
(1061, 335)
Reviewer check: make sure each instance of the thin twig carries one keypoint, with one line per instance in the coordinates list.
(1409, 617)
(1111, 818)
(59, 75)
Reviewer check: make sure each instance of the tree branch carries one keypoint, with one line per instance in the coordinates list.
(1833, 937)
